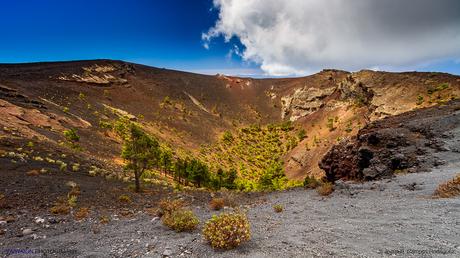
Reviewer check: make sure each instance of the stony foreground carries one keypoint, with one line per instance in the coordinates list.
(379, 219)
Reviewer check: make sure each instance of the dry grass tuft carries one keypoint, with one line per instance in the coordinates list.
(82, 213)
(124, 198)
(170, 205)
(60, 207)
(448, 189)
(217, 203)
(104, 219)
(33, 172)
(325, 189)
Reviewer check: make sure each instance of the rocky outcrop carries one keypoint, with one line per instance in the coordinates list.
(354, 90)
(100, 74)
(304, 101)
(402, 143)
(13, 96)
(307, 100)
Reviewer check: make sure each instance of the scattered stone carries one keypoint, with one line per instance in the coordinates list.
(53, 221)
(167, 252)
(39, 220)
(8, 219)
(27, 231)
(33, 172)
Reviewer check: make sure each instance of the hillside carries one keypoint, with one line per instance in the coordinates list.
(295, 120)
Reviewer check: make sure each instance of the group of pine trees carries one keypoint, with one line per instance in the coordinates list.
(143, 152)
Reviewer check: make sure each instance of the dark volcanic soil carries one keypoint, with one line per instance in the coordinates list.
(376, 219)
(394, 217)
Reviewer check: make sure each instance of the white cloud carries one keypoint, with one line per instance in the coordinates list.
(303, 36)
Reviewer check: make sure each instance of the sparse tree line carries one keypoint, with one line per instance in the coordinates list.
(144, 152)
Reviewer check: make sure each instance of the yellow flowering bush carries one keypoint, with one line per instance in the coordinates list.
(180, 220)
(227, 230)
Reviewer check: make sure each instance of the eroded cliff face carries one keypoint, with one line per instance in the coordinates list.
(332, 114)
(304, 101)
(398, 144)
(309, 99)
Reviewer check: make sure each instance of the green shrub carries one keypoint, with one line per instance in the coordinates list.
(311, 182)
(227, 230)
(105, 124)
(72, 201)
(71, 135)
(287, 126)
(419, 100)
(349, 127)
(440, 87)
(180, 220)
(302, 134)
(272, 176)
(227, 137)
(330, 124)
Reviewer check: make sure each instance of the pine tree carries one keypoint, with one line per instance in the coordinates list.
(141, 151)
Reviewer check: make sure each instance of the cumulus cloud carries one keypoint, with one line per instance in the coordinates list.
(303, 36)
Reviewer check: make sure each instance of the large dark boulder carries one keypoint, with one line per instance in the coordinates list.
(402, 143)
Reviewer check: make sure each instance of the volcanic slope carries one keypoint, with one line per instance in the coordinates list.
(191, 112)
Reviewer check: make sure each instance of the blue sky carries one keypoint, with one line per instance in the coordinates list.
(169, 34)
(157, 33)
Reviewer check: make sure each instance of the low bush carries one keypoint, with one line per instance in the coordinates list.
(168, 206)
(278, 208)
(71, 135)
(227, 230)
(33, 172)
(311, 182)
(72, 201)
(82, 213)
(61, 206)
(217, 203)
(104, 219)
(325, 189)
(448, 189)
(180, 220)
(124, 198)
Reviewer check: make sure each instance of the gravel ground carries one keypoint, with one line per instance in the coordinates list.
(361, 220)
(392, 217)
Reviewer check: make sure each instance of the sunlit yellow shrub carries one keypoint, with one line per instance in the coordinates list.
(180, 220)
(227, 230)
